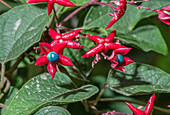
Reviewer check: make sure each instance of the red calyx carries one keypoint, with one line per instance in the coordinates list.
(51, 3)
(164, 14)
(147, 110)
(117, 14)
(68, 38)
(104, 44)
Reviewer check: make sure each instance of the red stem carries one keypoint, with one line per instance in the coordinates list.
(5, 4)
(133, 2)
(84, 6)
(57, 21)
(142, 7)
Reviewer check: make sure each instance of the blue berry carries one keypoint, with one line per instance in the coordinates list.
(120, 58)
(53, 57)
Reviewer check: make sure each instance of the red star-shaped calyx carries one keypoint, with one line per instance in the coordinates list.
(148, 108)
(67, 38)
(51, 3)
(164, 14)
(118, 59)
(117, 14)
(52, 55)
(103, 44)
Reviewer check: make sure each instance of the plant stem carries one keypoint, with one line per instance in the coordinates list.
(77, 78)
(85, 105)
(66, 28)
(15, 65)
(57, 21)
(3, 106)
(100, 94)
(142, 7)
(2, 75)
(8, 84)
(116, 113)
(5, 4)
(75, 12)
(94, 109)
(84, 6)
(105, 56)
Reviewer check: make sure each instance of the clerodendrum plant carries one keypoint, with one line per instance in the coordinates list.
(57, 41)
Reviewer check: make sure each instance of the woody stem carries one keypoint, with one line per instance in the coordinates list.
(2, 75)
(5, 4)
(57, 21)
(84, 6)
(142, 7)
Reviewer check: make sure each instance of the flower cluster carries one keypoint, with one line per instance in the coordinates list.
(52, 53)
(117, 59)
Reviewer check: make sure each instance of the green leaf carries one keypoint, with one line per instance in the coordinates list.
(143, 13)
(43, 90)
(154, 41)
(52, 110)
(6, 100)
(79, 2)
(20, 28)
(140, 36)
(140, 79)
(82, 66)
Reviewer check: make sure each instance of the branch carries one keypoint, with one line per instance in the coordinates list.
(84, 6)
(75, 12)
(3, 106)
(5, 4)
(57, 21)
(2, 75)
(15, 65)
(6, 88)
(100, 94)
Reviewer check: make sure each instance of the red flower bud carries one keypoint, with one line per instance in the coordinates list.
(164, 14)
(118, 14)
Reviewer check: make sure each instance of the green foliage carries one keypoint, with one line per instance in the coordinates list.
(20, 28)
(23, 26)
(52, 110)
(43, 90)
(140, 79)
(79, 2)
(8, 98)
